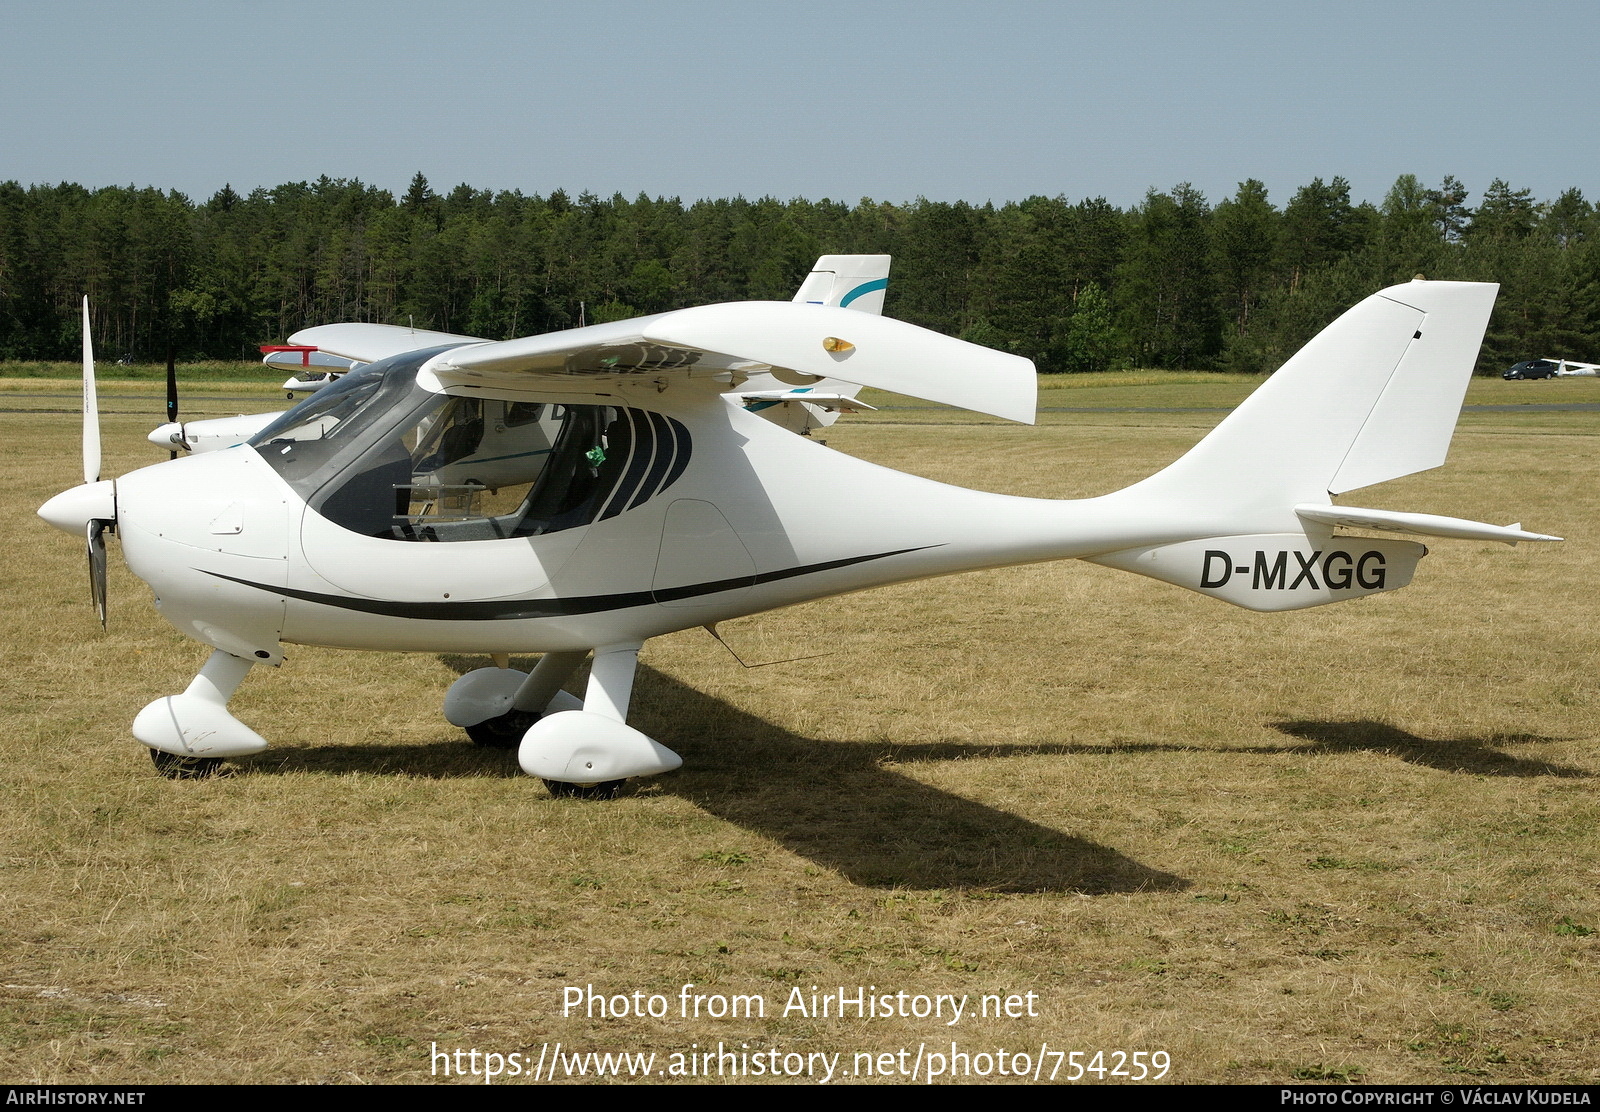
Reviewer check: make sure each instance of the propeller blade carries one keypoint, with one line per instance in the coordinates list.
(172, 390)
(91, 406)
(97, 568)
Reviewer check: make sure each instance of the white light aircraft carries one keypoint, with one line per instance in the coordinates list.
(577, 493)
(1571, 368)
(313, 369)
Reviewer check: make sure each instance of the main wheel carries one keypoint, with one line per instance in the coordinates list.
(504, 731)
(606, 789)
(174, 767)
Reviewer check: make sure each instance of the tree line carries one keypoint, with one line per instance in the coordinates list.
(1174, 282)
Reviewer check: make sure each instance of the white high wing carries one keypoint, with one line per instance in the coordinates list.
(580, 492)
(312, 370)
(848, 281)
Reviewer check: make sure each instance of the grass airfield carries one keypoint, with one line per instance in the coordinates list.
(1354, 843)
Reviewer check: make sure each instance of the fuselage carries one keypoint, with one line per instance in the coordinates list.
(712, 513)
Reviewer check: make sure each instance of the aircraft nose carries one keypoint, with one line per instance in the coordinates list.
(72, 510)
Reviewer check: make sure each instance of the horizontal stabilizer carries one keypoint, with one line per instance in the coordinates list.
(827, 401)
(1427, 525)
(1276, 571)
(367, 343)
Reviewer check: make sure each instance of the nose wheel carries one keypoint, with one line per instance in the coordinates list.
(503, 731)
(562, 790)
(174, 767)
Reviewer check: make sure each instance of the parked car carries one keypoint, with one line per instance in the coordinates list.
(1532, 368)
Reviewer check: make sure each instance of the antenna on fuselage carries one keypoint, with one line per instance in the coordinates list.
(712, 629)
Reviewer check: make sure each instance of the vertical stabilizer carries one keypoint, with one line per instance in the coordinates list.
(848, 282)
(1409, 429)
(1373, 396)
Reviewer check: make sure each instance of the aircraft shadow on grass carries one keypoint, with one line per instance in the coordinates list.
(842, 805)
(835, 804)
(1478, 756)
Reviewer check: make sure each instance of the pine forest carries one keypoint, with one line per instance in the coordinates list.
(1178, 281)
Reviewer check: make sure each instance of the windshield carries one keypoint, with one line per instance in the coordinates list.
(310, 440)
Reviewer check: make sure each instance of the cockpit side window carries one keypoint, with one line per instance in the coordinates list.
(483, 469)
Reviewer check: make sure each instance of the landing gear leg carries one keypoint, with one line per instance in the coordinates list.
(609, 692)
(611, 680)
(486, 693)
(545, 681)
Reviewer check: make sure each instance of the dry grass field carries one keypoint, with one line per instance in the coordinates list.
(1351, 843)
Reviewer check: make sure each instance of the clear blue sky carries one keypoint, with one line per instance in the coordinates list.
(879, 98)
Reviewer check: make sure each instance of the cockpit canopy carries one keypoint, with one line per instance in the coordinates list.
(381, 456)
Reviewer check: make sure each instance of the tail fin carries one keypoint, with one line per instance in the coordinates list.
(848, 281)
(1372, 397)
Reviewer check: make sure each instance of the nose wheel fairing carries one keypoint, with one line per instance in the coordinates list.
(197, 723)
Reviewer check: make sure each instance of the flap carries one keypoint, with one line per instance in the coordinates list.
(826, 401)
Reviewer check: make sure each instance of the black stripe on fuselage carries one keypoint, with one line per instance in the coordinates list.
(512, 610)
